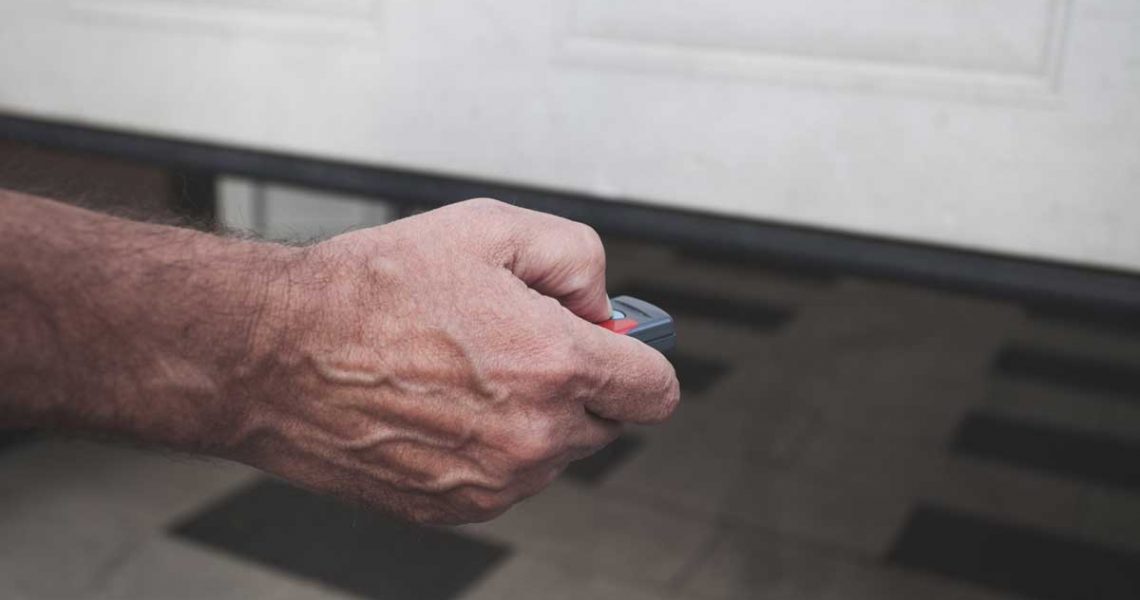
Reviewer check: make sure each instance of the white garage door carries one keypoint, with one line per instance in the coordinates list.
(1002, 125)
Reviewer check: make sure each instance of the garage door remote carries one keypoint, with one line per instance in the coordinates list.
(643, 321)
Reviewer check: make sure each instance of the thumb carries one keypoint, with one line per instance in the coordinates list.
(562, 259)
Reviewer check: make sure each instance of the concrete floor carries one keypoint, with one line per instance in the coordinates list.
(838, 438)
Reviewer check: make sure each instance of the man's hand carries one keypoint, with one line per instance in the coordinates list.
(440, 368)
(447, 366)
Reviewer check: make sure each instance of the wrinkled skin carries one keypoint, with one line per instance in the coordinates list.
(445, 366)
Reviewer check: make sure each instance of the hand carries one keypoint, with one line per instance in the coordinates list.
(445, 366)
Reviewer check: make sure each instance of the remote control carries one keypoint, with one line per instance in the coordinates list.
(643, 321)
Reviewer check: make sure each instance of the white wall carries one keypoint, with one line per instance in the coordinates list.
(1003, 125)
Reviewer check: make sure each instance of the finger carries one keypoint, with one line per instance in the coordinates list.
(559, 258)
(632, 382)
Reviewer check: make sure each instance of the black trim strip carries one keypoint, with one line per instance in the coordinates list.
(1114, 322)
(1079, 373)
(955, 269)
(1089, 457)
(751, 314)
(1036, 564)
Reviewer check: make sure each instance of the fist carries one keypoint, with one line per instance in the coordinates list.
(445, 366)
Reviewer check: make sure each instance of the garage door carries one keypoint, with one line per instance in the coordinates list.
(1010, 126)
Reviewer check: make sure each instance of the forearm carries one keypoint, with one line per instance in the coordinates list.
(441, 368)
(129, 328)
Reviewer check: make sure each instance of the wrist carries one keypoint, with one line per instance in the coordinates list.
(300, 333)
(249, 342)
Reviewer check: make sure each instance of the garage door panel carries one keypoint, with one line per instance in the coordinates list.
(1008, 126)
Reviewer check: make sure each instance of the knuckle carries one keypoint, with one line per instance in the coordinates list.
(425, 516)
(484, 506)
(561, 379)
(484, 502)
(423, 512)
(492, 221)
(663, 401)
(560, 365)
(486, 204)
(671, 399)
(594, 249)
(585, 276)
(534, 443)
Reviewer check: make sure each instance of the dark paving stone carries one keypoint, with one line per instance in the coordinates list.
(1118, 322)
(1085, 456)
(1028, 562)
(758, 316)
(697, 374)
(593, 470)
(1070, 371)
(354, 550)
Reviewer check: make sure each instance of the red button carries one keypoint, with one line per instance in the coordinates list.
(620, 325)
